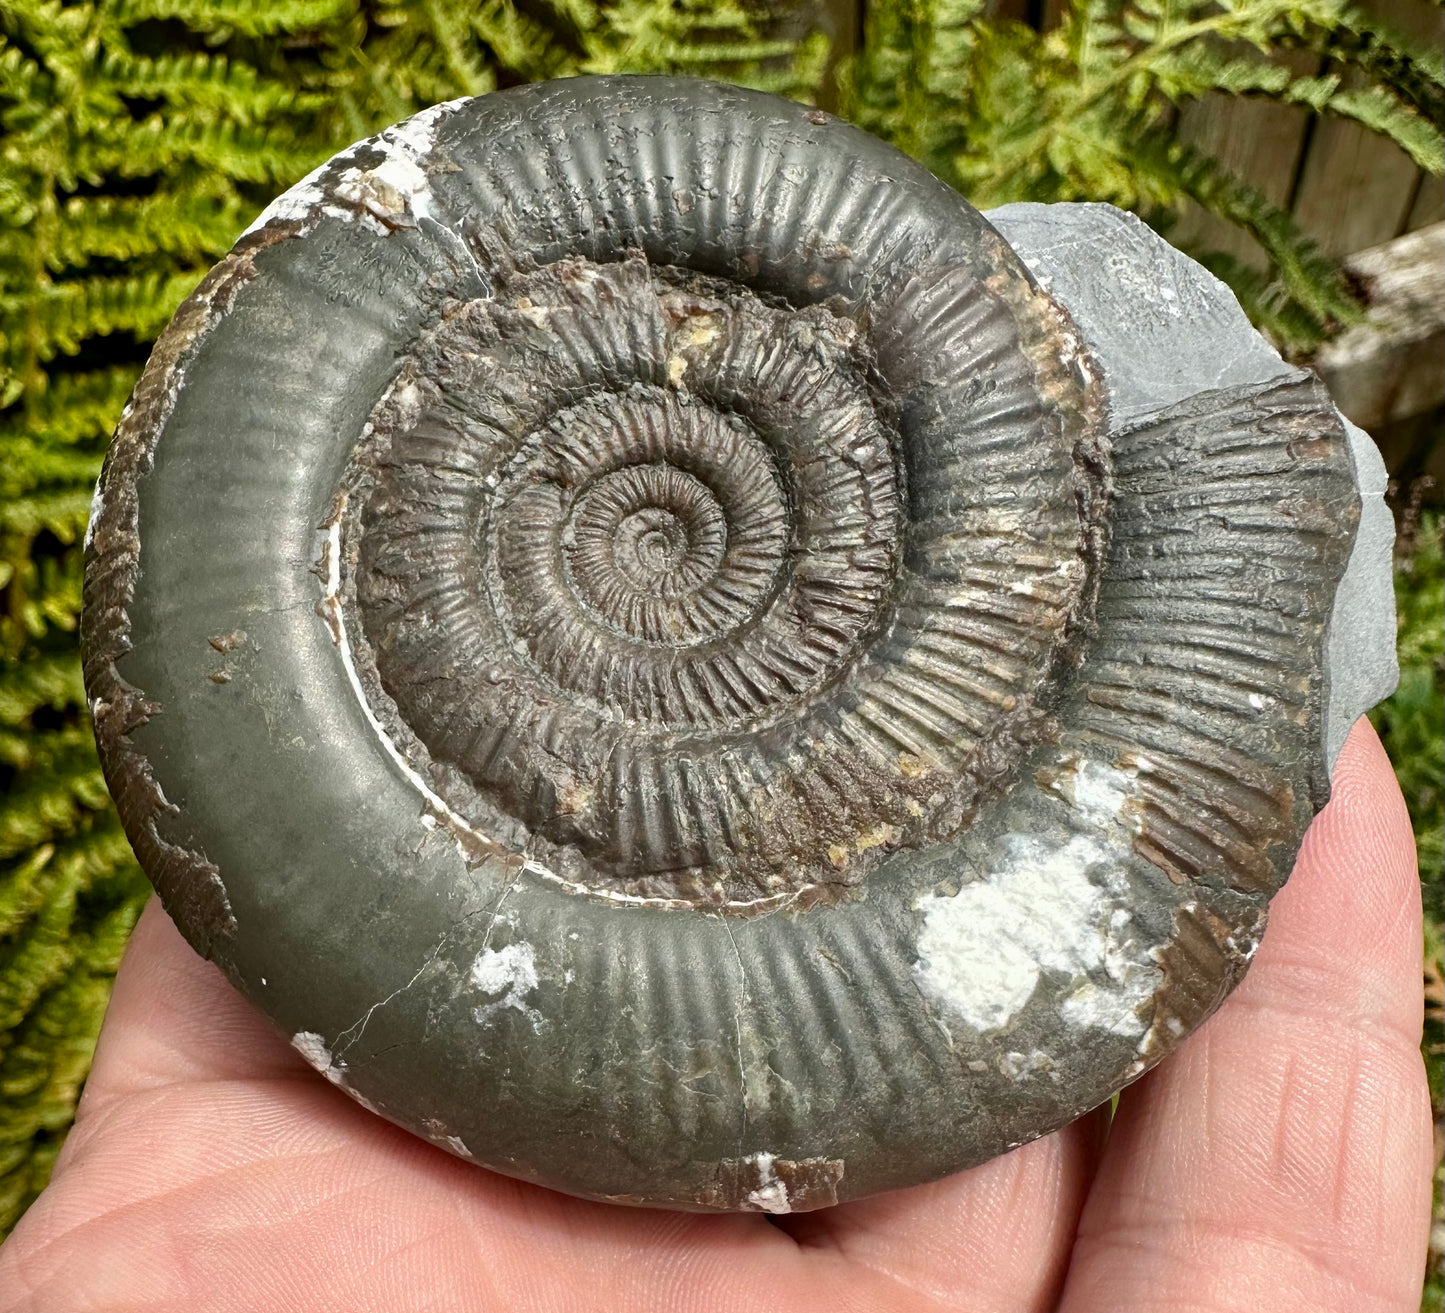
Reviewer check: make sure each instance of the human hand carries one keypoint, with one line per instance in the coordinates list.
(1279, 1161)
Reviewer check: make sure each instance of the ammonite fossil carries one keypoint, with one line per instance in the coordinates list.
(635, 628)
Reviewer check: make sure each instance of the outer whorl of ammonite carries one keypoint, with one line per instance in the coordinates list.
(620, 616)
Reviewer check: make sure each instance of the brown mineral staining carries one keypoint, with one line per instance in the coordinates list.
(327, 609)
(224, 643)
(189, 885)
(762, 1183)
(371, 194)
(1201, 825)
(1311, 448)
(476, 849)
(1202, 962)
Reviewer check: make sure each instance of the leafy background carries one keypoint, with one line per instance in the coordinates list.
(140, 136)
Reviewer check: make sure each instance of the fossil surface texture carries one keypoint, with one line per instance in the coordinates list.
(676, 659)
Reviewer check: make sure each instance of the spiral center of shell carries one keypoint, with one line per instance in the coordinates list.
(681, 546)
(691, 596)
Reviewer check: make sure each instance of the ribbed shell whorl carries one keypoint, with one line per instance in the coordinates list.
(617, 615)
(716, 597)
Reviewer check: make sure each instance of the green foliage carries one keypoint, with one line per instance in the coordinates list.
(1410, 723)
(418, 52)
(140, 136)
(1087, 111)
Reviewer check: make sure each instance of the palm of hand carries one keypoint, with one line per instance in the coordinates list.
(1279, 1161)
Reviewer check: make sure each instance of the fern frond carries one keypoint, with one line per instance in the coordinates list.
(1313, 281)
(726, 40)
(210, 17)
(48, 26)
(404, 68)
(197, 79)
(63, 514)
(1384, 113)
(199, 224)
(156, 144)
(44, 594)
(98, 853)
(49, 680)
(1084, 112)
(23, 888)
(1413, 70)
(70, 312)
(801, 69)
(201, 221)
(26, 464)
(55, 804)
(458, 51)
(72, 407)
(1197, 71)
(913, 79)
(18, 73)
(45, 1056)
(529, 48)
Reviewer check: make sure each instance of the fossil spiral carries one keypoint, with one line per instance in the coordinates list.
(634, 628)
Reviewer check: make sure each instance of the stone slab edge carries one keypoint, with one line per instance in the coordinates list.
(1166, 328)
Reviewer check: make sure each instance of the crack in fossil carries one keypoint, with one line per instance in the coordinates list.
(738, 1031)
(347, 1039)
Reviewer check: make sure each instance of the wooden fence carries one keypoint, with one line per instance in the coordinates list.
(1348, 188)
